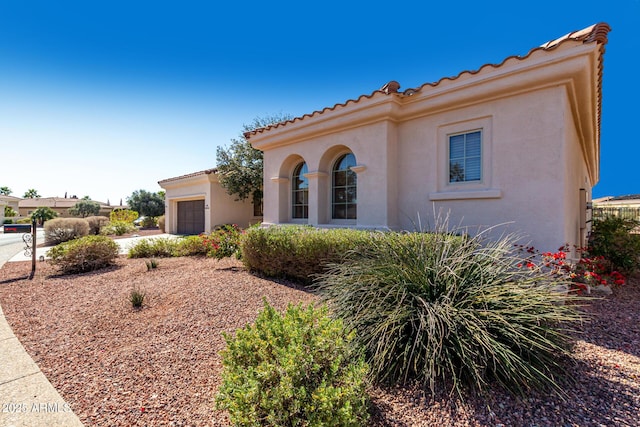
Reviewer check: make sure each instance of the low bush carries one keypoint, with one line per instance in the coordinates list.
(84, 254)
(299, 252)
(191, 246)
(161, 223)
(96, 223)
(453, 310)
(117, 228)
(149, 222)
(59, 230)
(296, 369)
(159, 248)
(7, 221)
(223, 242)
(612, 239)
(24, 221)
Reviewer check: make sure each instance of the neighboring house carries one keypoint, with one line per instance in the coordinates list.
(517, 142)
(197, 203)
(10, 201)
(629, 201)
(60, 205)
(621, 206)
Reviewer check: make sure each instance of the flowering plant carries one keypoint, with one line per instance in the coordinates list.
(223, 242)
(587, 272)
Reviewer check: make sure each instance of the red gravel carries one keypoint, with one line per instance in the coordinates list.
(118, 366)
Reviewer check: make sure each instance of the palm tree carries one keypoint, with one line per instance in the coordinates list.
(31, 194)
(43, 214)
(5, 191)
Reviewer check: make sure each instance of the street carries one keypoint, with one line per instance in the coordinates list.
(11, 244)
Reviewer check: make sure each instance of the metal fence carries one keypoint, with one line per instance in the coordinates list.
(626, 213)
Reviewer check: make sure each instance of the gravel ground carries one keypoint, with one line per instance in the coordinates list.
(159, 366)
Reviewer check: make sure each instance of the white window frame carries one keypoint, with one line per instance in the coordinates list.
(334, 162)
(464, 158)
(481, 189)
(291, 199)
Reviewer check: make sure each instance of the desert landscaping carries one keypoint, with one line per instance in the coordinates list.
(160, 365)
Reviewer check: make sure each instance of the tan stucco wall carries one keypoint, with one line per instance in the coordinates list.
(533, 170)
(540, 129)
(523, 177)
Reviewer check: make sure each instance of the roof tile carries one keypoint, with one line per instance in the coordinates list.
(596, 33)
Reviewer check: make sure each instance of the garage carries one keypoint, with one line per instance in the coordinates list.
(191, 217)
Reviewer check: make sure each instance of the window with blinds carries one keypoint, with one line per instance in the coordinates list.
(300, 192)
(465, 157)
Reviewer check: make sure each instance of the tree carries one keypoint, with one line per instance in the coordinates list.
(43, 214)
(31, 194)
(240, 167)
(9, 212)
(85, 208)
(5, 191)
(146, 203)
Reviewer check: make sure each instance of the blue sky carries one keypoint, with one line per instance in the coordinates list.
(104, 98)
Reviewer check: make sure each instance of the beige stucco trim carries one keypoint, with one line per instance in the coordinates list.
(466, 195)
(358, 168)
(279, 179)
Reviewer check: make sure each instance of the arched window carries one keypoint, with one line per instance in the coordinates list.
(344, 201)
(300, 192)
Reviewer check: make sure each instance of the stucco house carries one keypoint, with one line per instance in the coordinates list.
(10, 201)
(197, 203)
(516, 142)
(626, 201)
(627, 206)
(60, 205)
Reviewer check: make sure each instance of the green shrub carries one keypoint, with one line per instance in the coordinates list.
(612, 238)
(7, 221)
(149, 222)
(161, 223)
(96, 223)
(223, 242)
(438, 308)
(117, 228)
(24, 221)
(159, 247)
(190, 246)
(299, 369)
(60, 230)
(299, 252)
(84, 254)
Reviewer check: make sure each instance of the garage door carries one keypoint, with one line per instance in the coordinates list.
(191, 217)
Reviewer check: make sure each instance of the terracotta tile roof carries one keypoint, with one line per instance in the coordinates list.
(189, 175)
(596, 33)
(52, 202)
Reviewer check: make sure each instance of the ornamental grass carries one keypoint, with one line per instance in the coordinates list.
(444, 309)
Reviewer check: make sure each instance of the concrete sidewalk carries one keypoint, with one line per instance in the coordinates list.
(27, 398)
